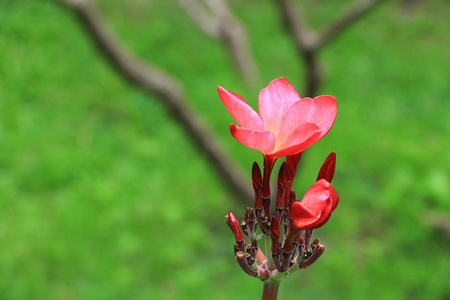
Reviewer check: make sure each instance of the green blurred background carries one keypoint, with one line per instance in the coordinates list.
(102, 196)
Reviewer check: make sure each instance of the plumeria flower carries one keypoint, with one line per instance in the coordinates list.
(285, 124)
(316, 206)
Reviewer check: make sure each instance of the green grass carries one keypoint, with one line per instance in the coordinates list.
(102, 196)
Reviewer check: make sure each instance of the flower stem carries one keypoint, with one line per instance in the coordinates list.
(270, 291)
(268, 252)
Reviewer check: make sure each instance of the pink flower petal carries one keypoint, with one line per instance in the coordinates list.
(299, 140)
(263, 141)
(320, 111)
(274, 101)
(244, 115)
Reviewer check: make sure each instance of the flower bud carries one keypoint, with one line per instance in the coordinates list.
(319, 249)
(292, 163)
(257, 185)
(241, 258)
(282, 185)
(275, 234)
(327, 170)
(233, 223)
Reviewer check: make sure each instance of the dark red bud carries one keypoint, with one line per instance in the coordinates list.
(256, 176)
(241, 258)
(327, 170)
(292, 163)
(282, 175)
(234, 225)
(257, 185)
(308, 236)
(269, 162)
(317, 252)
(275, 228)
(249, 219)
(282, 185)
(288, 244)
(292, 198)
(266, 207)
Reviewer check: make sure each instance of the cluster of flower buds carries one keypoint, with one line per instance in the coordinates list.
(286, 231)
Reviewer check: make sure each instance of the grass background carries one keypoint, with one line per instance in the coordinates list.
(102, 196)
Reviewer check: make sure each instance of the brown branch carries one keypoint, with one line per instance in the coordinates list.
(167, 90)
(410, 5)
(305, 42)
(214, 18)
(204, 20)
(309, 42)
(346, 20)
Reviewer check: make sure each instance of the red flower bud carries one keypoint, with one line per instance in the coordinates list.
(233, 223)
(275, 234)
(291, 199)
(317, 252)
(292, 163)
(316, 206)
(241, 258)
(257, 185)
(327, 170)
(282, 185)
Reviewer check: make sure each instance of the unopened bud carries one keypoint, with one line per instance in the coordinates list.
(319, 249)
(249, 218)
(308, 235)
(241, 258)
(233, 223)
(275, 234)
(257, 185)
(292, 198)
(282, 185)
(329, 166)
(292, 163)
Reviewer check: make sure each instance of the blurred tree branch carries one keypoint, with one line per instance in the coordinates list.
(309, 42)
(439, 221)
(167, 89)
(215, 19)
(409, 5)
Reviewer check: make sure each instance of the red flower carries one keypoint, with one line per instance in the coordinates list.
(286, 124)
(316, 206)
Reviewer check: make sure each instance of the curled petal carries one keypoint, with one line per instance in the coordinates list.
(263, 141)
(316, 206)
(274, 101)
(320, 111)
(334, 198)
(244, 115)
(301, 216)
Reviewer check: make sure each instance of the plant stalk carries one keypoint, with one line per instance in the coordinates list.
(270, 291)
